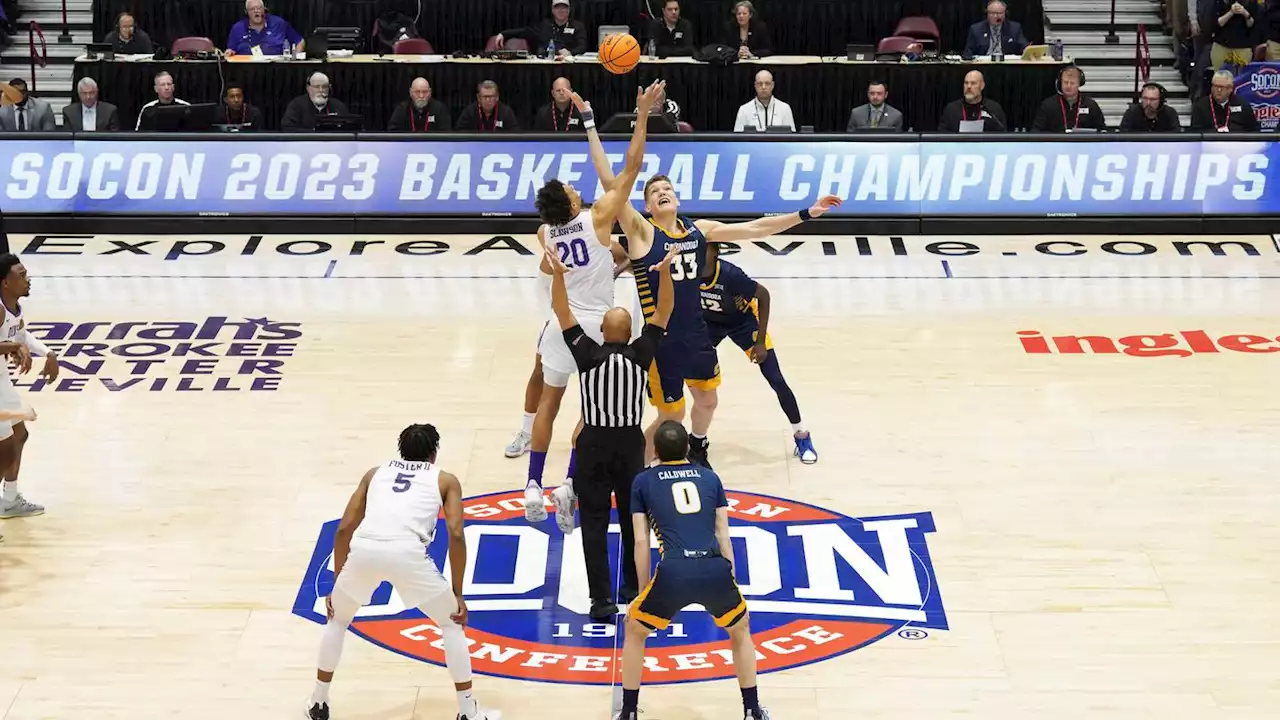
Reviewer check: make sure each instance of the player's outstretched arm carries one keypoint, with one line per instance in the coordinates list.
(351, 519)
(24, 415)
(451, 495)
(618, 196)
(559, 293)
(765, 226)
(666, 289)
(39, 349)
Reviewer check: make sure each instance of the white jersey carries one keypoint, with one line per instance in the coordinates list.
(589, 279)
(403, 503)
(12, 327)
(544, 293)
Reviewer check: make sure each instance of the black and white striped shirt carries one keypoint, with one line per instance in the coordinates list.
(613, 376)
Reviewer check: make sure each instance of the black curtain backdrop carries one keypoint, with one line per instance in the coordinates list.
(820, 94)
(798, 27)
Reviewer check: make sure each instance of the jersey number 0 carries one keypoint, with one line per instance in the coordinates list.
(688, 500)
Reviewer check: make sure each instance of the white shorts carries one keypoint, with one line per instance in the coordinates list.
(407, 567)
(9, 400)
(626, 296)
(557, 362)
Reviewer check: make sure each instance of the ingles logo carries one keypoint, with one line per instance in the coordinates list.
(818, 584)
(1180, 344)
(215, 354)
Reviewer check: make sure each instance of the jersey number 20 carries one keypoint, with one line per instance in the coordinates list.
(574, 253)
(688, 500)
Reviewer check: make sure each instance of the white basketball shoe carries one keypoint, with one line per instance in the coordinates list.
(535, 504)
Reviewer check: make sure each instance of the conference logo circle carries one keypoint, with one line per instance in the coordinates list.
(818, 584)
(1263, 82)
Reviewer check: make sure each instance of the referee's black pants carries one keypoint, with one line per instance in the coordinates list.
(608, 461)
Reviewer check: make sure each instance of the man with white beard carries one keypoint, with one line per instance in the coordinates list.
(303, 110)
(421, 112)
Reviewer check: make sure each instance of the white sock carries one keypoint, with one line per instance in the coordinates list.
(10, 491)
(467, 705)
(696, 436)
(320, 696)
(526, 426)
(798, 428)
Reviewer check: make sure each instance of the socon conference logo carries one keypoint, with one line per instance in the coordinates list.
(818, 584)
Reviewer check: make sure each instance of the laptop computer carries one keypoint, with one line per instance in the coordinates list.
(178, 118)
(860, 53)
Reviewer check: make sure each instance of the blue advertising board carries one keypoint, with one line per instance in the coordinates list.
(473, 178)
(1259, 84)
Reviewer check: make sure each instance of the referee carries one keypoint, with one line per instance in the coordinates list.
(611, 446)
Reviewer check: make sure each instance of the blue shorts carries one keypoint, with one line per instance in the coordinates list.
(744, 335)
(685, 360)
(680, 582)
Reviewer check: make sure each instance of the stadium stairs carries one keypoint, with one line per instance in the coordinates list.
(52, 82)
(1082, 26)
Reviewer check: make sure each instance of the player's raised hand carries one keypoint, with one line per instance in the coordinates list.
(578, 102)
(553, 260)
(665, 262)
(460, 617)
(646, 97)
(824, 204)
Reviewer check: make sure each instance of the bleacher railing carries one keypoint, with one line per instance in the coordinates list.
(65, 37)
(42, 57)
(1141, 60)
(1112, 38)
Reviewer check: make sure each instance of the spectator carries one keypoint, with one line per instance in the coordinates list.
(746, 33)
(258, 33)
(569, 36)
(421, 112)
(489, 114)
(90, 115)
(1150, 113)
(559, 115)
(1273, 30)
(973, 107)
(303, 110)
(1233, 25)
(672, 35)
(664, 105)
(1223, 110)
(876, 113)
(235, 111)
(764, 111)
(1069, 110)
(30, 114)
(995, 35)
(126, 39)
(164, 95)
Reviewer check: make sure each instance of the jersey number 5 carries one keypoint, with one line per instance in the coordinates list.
(402, 482)
(688, 500)
(685, 267)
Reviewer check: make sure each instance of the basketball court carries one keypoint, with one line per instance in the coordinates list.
(1047, 480)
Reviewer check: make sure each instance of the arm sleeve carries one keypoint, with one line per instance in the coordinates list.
(33, 344)
(584, 349)
(646, 346)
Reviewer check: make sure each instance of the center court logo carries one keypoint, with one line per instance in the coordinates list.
(819, 584)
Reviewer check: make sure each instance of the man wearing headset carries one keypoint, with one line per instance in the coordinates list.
(126, 39)
(1069, 110)
(258, 33)
(1150, 113)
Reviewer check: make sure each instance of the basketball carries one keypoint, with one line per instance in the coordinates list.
(619, 53)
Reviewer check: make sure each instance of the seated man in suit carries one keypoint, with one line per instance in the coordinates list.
(1222, 110)
(995, 35)
(90, 115)
(27, 115)
(876, 113)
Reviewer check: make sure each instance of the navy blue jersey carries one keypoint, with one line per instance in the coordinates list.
(686, 315)
(729, 297)
(680, 499)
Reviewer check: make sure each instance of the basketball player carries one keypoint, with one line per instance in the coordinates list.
(389, 520)
(687, 356)
(24, 415)
(581, 237)
(686, 506)
(17, 343)
(737, 307)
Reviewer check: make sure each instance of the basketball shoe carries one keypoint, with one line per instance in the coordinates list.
(318, 711)
(565, 499)
(760, 714)
(519, 445)
(535, 504)
(804, 449)
(19, 507)
(697, 454)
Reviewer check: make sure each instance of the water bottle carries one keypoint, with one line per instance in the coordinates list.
(651, 49)
(1056, 51)
(551, 49)
(288, 49)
